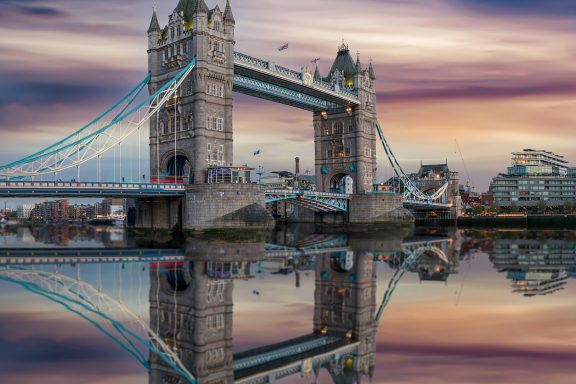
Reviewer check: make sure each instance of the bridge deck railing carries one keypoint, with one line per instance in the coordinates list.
(89, 185)
(292, 75)
(287, 192)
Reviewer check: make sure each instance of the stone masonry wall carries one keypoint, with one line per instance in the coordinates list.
(226, 206)
(378, 208)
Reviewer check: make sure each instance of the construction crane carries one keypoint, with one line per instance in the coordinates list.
(468, 181)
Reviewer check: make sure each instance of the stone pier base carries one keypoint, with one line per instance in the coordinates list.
(158, 213)
(378, 208)
(226, 206)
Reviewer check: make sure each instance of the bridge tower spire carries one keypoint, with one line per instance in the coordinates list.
(193, 131)
(345, 138)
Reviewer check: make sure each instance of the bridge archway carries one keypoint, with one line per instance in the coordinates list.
(430, 191)
(342, 262)
(178, 168)
(175, 277)
(338, 183)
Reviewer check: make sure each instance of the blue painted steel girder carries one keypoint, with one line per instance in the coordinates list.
(269, 73)
(16, 189)
(319, 202)
(268, 91)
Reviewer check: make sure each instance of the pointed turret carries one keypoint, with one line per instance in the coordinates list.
(317, 76)
(228, 16)
(358, 64)
(371, 71)
(154, 24)
(186, 9)
(201, 7)
(344, 64)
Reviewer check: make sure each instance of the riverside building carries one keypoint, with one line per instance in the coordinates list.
(535, 177)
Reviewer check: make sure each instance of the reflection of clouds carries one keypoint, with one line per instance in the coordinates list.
(60, 349)
(490, 336)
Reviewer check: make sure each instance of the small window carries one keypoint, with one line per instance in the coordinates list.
(209, 147)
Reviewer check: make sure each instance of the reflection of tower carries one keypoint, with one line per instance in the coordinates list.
(345, 305)
(193, 314)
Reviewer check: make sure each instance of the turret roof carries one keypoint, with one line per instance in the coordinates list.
(154, 24)
(317, 76)
(358, 64)
(189, 7)
(371, 71)
(343, 63)
(228, 16)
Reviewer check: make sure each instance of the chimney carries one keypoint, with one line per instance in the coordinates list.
(297, 166)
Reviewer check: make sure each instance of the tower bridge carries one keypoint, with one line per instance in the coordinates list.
(193, 72)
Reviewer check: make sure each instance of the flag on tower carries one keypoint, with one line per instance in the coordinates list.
(285, 46)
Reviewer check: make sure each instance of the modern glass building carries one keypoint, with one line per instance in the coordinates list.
(535, 176)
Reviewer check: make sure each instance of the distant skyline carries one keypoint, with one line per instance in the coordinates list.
(495, 75)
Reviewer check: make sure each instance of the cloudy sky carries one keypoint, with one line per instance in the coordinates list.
(495, 75)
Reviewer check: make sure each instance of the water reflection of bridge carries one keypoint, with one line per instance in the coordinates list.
(194, 313)
(191, 305)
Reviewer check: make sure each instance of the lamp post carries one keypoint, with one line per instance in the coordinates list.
(175, 126)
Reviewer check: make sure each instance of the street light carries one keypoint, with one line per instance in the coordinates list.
(175, 123)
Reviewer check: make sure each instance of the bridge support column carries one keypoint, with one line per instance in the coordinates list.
(378, 208)
(226, 206)
(158, 213)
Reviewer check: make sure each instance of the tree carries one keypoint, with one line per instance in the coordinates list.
(494, 209)
(542, 207)
(569, 207)
(477, 210)
(514, 208)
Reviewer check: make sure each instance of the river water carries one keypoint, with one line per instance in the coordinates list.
(296, 305)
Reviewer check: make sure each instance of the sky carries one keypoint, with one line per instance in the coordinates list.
(489, 76)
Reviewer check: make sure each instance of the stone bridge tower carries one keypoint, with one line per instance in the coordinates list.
(192, 313)
(345, 138)
(345, 301)
(194, 130)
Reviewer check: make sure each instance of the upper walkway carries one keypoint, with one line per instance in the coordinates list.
(273, 362)
(265, 80)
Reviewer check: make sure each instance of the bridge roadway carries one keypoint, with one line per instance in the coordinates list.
(316, 201)
(320, 202)
(88, 189)
(43, 256)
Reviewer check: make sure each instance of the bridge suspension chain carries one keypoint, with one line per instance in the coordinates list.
(413, 255)
(102, 134)
(411, 189)
(107, 314)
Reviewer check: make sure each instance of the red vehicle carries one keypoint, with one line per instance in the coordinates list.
(167, 179)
